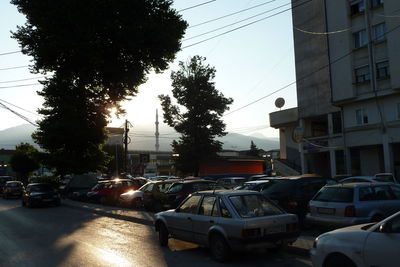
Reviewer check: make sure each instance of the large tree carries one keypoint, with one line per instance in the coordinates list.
(24, 161)
(98, 52)
(199, 122)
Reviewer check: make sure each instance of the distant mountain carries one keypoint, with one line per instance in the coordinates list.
(11, 137)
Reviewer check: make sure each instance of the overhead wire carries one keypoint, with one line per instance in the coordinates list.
(21, 85)
(17, 67)
(231, 14)
(243, 26)
(9, 53)
(34, 113)
(18, 114)
(309, 74)
(236, 22)
(201, 4)
(20, 80)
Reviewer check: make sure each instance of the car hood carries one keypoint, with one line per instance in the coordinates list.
(351, 234)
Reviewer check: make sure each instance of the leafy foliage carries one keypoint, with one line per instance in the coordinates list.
(99, 52)
(200, 123)
(24, 161)
(254, 150)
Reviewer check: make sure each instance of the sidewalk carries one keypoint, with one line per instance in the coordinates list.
(301, 246)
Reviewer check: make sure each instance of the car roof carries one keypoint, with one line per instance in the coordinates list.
(226, 192)
(303, 176)
(9, 182)
(32, 184)
(359, 184)
(259, 181)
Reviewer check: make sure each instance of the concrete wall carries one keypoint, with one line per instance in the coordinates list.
(311, 54)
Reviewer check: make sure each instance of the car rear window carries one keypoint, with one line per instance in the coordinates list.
(175, 188)
(249, 206)
(13, 184)
(335, 194)
(280, 186)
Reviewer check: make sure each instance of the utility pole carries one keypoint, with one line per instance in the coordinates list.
(157, 133)
(125, 145)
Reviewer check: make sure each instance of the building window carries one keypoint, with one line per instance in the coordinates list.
(360, 39)
(361, 116)
(379, 32)
(376, 3)
(356, 7)
(362, 74)
(382, 70)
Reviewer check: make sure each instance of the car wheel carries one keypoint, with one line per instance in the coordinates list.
(335, 260)
(220, 250)
(29, 204)
(163, 235)
(23, 203)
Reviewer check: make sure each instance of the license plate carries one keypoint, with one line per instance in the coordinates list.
(275, 229)
(328, 211)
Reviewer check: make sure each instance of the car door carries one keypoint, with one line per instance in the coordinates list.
(180, 223)
(382, 248)
(206, 218)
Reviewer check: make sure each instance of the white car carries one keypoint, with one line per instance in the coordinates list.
(360, 245)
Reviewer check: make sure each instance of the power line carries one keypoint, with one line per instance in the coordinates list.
(21, 85)
(309, 74)
(9, 53)
(20, 80)
(245, 25)
(19, 115)
(18, 67)
(231, 14)
(187, 8)
(237, 22)
(34, 113)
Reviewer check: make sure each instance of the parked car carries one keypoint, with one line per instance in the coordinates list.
(150, 195)
(360, 245)
(12, 189)
(293, 193)
(108, 192)
(386, 177)
(231, 182)
(258, 185)
(180, 190)
(3, 180)
(226, 220)
(39, 194)
(354, 203)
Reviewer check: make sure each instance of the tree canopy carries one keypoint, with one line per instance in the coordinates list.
(197, 114)
(98, 52)
(24, 161)
(254, 150)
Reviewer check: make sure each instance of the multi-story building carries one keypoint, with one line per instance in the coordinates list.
(347, 68)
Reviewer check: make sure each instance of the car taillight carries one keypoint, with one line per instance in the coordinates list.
(254, 232)
(292, 203)
(350, 211)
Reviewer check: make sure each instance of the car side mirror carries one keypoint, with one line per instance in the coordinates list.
(385, 227)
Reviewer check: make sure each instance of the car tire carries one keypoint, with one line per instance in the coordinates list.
(23, 203)
(163, 235)
(335, 260)
(220, 249)
(103, 200)
(29, 204)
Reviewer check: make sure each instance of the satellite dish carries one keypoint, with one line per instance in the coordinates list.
(279, 102)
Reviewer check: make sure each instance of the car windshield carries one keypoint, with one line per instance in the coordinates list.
(175, 188)
(335, 194)
(249, 206)
(13, 184)
(99, 186)
(42, 188)
(280, 186)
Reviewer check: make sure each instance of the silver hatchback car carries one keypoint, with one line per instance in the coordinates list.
(353, 203)
(227, 220)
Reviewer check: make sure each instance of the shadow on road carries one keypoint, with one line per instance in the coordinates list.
(31, 237)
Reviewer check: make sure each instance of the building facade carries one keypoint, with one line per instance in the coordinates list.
(347, 69)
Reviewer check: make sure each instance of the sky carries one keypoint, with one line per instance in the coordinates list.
(251, 62)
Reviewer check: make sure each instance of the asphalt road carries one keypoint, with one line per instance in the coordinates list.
(65, 236)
